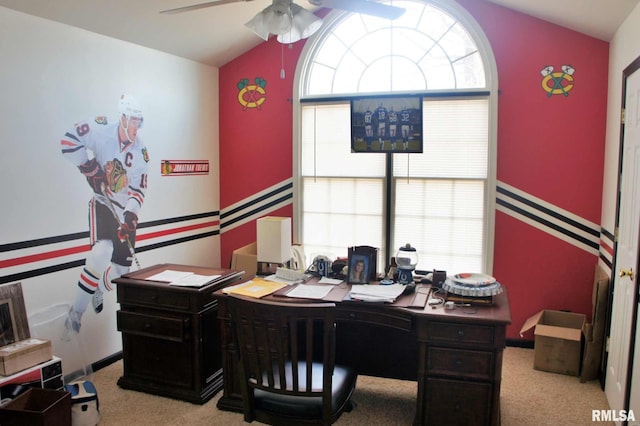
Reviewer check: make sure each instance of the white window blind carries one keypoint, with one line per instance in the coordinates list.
(342, 192)
(440, 194)
(438, 197)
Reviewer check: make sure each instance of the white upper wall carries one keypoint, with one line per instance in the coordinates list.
(54, 75)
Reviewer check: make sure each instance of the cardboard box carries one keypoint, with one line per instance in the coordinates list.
(558, 341)
(24, 354)
(38, 407)
(245, 259)
(594, 331)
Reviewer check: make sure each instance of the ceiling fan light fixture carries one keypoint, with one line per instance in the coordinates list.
(275, 19)
(285, 19)
(304, 25)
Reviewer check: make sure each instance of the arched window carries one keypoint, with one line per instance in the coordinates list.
(441, 201)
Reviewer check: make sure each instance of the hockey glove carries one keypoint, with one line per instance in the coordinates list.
(94, 174)
(128, 227)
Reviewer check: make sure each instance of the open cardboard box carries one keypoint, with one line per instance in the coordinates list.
(558, 341)
(38, 407)
(245, 259)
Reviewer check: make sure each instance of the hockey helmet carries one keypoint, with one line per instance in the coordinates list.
(130, 107)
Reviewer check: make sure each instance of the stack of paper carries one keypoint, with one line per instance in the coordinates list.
(377, 293)
(310, 291)
(254, 288)
(182, 278)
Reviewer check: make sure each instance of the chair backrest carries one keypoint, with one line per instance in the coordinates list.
(281, 346)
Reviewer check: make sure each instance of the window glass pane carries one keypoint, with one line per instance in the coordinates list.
(350, 29)
(457, 43)
(341, 212)
(332, 50)
(456, 141)
(443, 220)
(434, 22)
(470, 72)
(438, 69)
(411, 44)
(349, 73)
(374, 46)
(326, 144)
(322, 81)
(406, 76)
(377, 77)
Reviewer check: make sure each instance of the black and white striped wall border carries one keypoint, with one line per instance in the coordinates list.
(548, 218)
(257, 205)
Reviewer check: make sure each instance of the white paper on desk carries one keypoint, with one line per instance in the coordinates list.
(194, 280)
(276, 279)
(169, 276)
(310, 291)
(377, 293)
(332, 281)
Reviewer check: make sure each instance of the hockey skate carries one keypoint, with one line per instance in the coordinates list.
(97, 301)
(71, 324)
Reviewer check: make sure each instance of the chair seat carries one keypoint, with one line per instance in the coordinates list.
(344, 382)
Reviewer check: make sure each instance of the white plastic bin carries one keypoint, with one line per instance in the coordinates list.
(49, 323)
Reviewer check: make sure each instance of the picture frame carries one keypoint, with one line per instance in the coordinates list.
(361, 264)
(387, 124)
(14, 324)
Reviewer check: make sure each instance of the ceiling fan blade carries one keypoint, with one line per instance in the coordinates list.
(199, 6)
(365, 7)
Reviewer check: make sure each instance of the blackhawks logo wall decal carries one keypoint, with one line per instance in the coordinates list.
(557, 83)
(252, 95)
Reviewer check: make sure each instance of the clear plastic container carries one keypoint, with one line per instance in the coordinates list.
(49, 323)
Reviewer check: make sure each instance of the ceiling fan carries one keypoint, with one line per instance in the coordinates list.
(291, 22)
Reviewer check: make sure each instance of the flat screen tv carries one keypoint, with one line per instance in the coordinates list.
(390, 124)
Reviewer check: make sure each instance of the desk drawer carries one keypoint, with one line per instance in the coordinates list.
(460, 363)
(378, 317)
(159, 361)
(154, 297)
(461, 333)
(451, 402)
(155, 326)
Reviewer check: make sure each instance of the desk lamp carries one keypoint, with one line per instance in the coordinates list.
(273, 240)
(406, 259)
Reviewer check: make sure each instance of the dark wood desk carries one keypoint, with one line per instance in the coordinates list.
(170, 335)
(454, 355)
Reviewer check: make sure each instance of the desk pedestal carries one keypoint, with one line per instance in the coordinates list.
(170, 335)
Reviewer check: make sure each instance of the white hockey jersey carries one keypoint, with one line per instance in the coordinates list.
(125, 164)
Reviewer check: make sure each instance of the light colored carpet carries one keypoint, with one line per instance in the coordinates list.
(528, 397)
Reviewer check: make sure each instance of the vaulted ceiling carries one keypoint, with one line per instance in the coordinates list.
(216, 35)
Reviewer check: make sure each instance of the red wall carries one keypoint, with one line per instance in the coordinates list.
(255, 143)
(551, 147)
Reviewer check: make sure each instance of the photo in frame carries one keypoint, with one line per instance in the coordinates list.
(361, 264)
(391, 124)
(14, 324)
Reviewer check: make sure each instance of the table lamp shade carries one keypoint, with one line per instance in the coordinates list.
(274, 239)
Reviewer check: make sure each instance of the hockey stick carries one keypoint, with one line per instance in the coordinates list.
(115, 215)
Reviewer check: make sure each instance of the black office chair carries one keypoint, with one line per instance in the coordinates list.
(287, 362)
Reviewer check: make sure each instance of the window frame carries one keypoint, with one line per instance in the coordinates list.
(490, 91)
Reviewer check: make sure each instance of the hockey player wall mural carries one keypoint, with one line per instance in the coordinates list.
(114, 162)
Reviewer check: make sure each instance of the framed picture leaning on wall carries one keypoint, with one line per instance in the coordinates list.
(14, 325)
